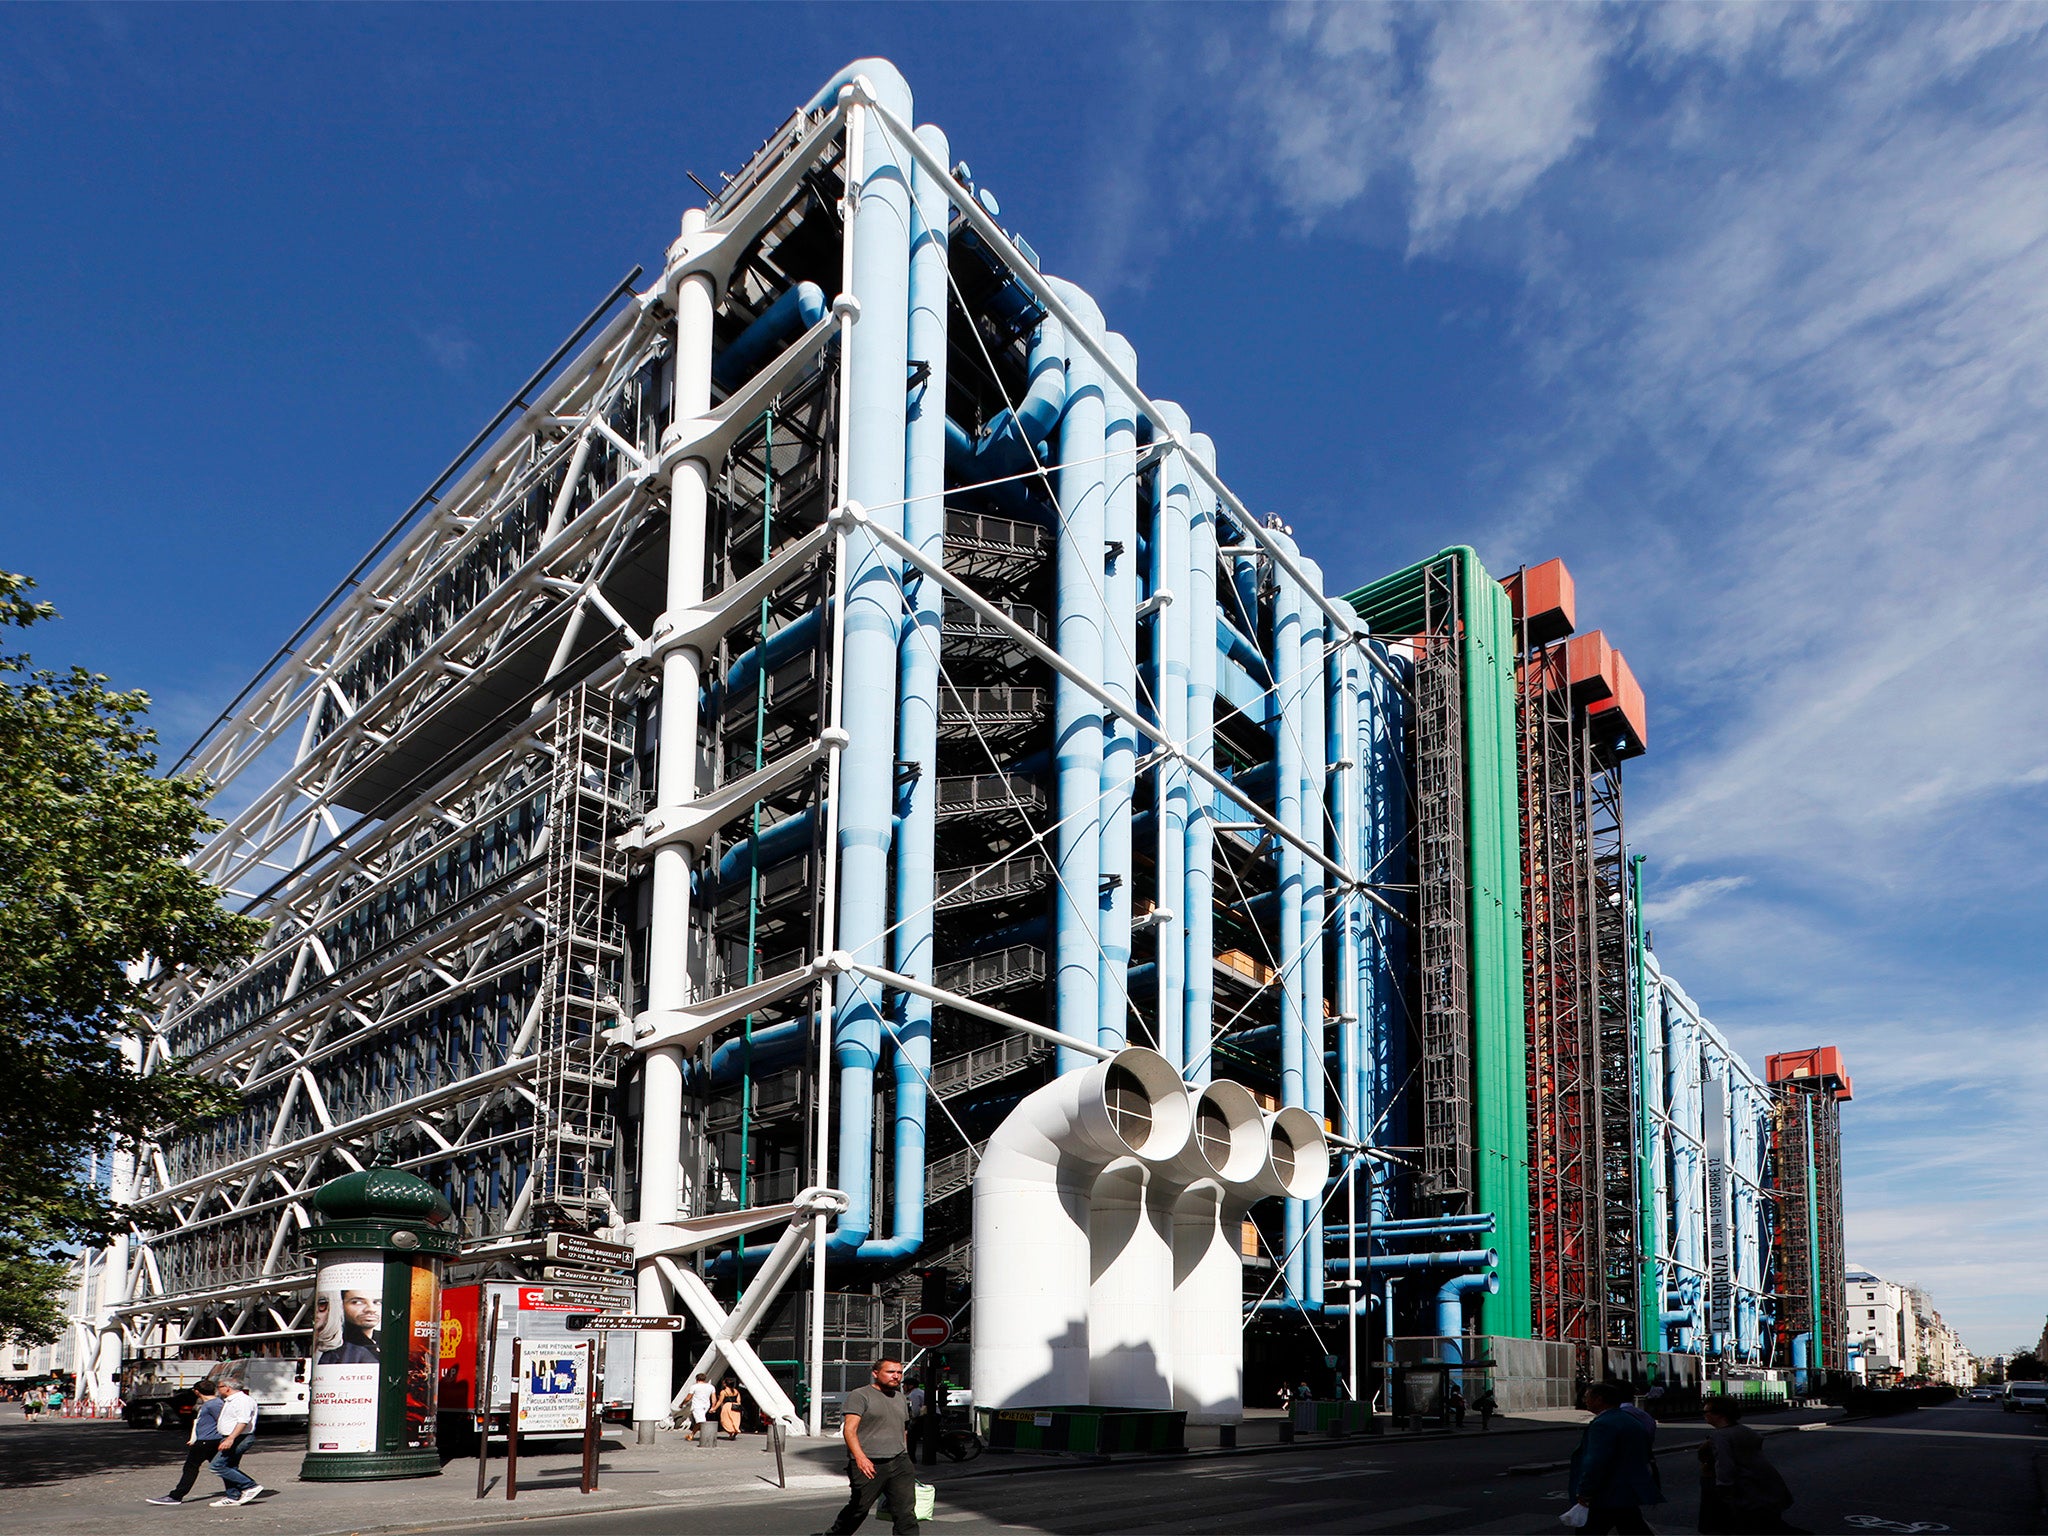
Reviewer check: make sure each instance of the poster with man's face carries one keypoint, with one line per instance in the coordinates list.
(348, 1312)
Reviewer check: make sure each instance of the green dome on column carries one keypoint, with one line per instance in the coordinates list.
(382, 1194)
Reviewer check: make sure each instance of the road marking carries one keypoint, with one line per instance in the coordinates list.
(1328, 1477)
(1388, 1519)
(1943, 1434)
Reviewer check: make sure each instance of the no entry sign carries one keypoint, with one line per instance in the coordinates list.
(927, 1330)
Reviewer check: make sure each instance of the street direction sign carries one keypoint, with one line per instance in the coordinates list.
(597, 1298)
(574, 1248)
(927, 1330)
(617, 1322)
(584, 1274)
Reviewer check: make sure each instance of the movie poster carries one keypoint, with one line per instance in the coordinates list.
(348, 1312)
(423, 1357)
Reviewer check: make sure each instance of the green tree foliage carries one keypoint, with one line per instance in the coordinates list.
(92, 880)
(2026, 1366)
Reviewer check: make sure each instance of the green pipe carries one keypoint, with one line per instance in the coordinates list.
(1394, 604)
(1814, 1354)
(1650, 1290)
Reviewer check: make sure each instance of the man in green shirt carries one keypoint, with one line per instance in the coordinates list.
(877, 1417)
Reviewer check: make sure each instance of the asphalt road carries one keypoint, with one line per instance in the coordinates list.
(1961, 1468)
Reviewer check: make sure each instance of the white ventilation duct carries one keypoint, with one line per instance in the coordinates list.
(1133, 1335)
(1033, 1197)
(1285, 1154)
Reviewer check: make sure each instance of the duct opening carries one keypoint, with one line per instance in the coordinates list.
(1283, 1155)
(1212, 1134)
(1129, 1106)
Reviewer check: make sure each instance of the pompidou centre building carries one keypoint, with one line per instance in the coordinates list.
(834, 791)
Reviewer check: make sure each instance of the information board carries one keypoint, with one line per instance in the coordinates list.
(554, 1387)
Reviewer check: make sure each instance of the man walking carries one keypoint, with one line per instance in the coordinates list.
(200, 1445)
(1612, 1474)
(237, 1426)
(877, 1417)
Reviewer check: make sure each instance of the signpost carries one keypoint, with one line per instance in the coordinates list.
(574, 1248)
(597, 1298)
(620, 1322)
(928, 1330)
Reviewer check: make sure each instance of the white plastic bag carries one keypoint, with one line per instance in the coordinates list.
(1575, 1517)
(928, 1503)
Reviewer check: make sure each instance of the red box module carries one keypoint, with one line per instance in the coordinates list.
(1545, 596)
(1823, 1062)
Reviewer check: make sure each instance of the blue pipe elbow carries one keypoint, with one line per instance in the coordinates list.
(776, 327)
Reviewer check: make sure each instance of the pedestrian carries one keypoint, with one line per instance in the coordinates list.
(1740, 1491)
(1457, 1408)
(1633, 1409)
(1286, 1397)
(237, 1426)
(1653, 1401)
(1612, 1475)
(914, 1400)
(728, 1405)
(201, 1445)
(700, 1406)
(877, 1417)
(1486, 1405)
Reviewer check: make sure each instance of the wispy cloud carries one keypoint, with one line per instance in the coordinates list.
(1785, 279)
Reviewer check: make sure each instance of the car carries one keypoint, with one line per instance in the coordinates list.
(1987, 1393)
(2025, 1397)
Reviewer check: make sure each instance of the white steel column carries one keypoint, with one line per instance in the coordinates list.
(668, 933)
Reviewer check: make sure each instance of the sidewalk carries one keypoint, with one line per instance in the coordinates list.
(88, 1478)
(97, 1487)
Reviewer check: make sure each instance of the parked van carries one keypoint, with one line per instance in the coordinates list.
(2026, 1397)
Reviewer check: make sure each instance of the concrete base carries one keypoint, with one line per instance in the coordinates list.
(643, 1430)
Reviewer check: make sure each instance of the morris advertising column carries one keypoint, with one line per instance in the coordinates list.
(379, 1242)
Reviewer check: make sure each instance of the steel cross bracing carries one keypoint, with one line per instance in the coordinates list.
(1566, 1211)
(487, 583)
(1442, 936)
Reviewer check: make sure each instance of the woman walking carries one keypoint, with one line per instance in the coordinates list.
(728, 1405)
(1740, 1491)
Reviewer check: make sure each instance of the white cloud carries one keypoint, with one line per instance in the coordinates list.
(1508, 93)
(1786, 284)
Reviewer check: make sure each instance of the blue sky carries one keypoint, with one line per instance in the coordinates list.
(1742, 311)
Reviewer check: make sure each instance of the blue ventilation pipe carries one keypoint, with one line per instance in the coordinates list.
(1312, 722)
(1076, 716)
(1199, 879)
(1016, 438)
(1170, 570)
(917, 720)
(1120, 681)
(788, 642)
(876, 415)
(1347, 798)
(776, 327)
(1298, 1062)
(1450, 1310)
(1408, 1263)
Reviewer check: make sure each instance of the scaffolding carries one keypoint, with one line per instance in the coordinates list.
(590, 800)
(1808, 1260)
(1442, 899)
(1567, 1207)
(1618, 1004)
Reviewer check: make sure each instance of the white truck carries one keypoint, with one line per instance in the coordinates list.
(165, 1394)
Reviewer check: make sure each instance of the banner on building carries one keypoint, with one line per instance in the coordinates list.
(1720, 1260)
